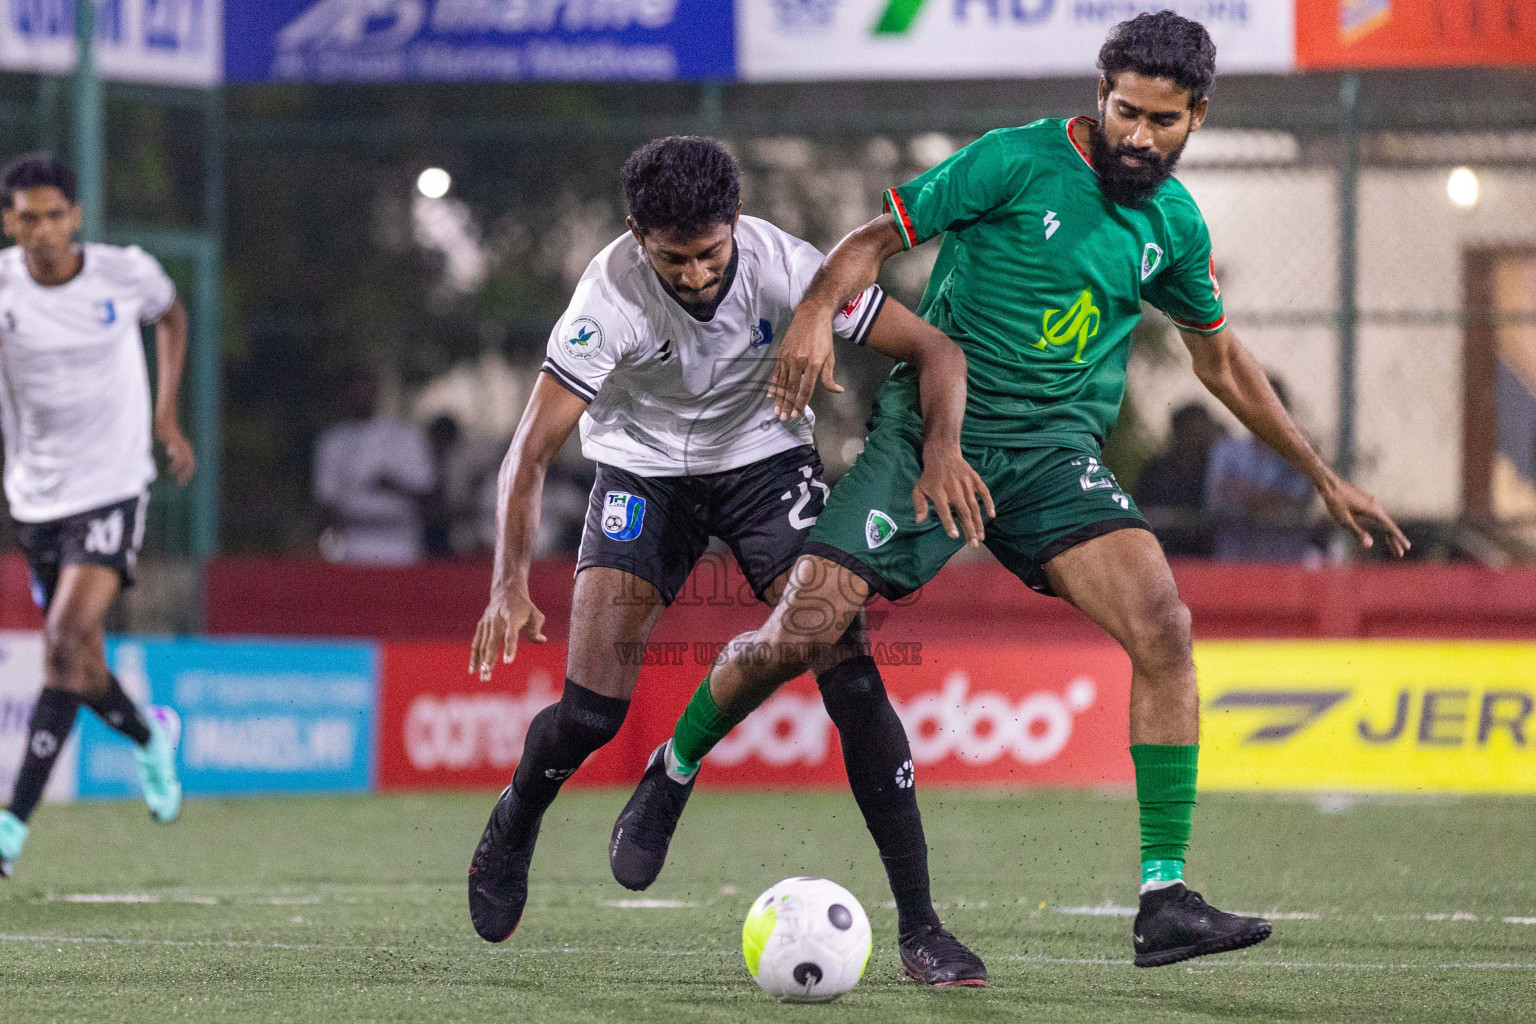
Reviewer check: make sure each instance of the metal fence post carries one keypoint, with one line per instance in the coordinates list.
(207, 361)
(90, 127)
(1349, 313)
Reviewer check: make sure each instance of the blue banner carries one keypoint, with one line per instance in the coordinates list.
(479, 40)
(256, 717)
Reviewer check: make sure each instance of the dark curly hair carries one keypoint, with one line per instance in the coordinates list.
(36, 170)
(1162, 45)
(682, 183)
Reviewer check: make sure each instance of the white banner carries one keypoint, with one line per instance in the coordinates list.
(21, 677)
(167, 42)
(816, 39)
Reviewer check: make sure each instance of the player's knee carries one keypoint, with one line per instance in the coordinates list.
(1161, 636)
(587, 718)
(67, 653)
(851, 689)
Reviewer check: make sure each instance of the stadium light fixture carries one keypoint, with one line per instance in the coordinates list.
(1462, 187)
(434, 182)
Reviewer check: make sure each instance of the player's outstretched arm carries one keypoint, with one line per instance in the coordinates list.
(170, 359)
(947, 481)
(1231, 373)
(548, 420)
(805, 354)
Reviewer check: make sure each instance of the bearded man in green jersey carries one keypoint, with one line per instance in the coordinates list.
(1053, 236)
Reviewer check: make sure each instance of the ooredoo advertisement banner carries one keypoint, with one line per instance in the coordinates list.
(996, 715)
(820, 39)
(1414, 33)
(1369, 717)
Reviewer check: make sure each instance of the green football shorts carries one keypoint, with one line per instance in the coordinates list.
(1047, 499)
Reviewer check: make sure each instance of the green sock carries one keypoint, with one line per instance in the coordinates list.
(701, 726)
(1165, 789)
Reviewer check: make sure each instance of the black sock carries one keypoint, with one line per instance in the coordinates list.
(559, 739)
(118, 710)
(879, 764)
(52, 718)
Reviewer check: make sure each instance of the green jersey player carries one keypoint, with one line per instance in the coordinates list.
(1053, 235)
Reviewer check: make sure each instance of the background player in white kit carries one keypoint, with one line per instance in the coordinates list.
(79, 461)
(664, 357)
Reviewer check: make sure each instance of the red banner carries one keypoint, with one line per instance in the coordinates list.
(991, 714)
(1414, 33)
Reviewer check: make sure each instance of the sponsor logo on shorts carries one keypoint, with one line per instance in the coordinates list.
(623, 515)
(878, 529)
(583, 339)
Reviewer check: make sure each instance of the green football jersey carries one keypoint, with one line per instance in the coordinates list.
(1040, 279)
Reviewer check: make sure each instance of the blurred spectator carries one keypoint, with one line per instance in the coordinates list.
(373, 475)
(1261, 505)
(1171, 490)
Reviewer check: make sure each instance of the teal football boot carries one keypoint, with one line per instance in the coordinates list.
(12, 835)
(157, 764)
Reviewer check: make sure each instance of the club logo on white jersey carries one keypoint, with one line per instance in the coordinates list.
(762, 334)
(10, 320)
(1151, 259)
(878, 529)
(623, 515)
(1051, 223)
(583, 339)
(106, 312)
(105, 536)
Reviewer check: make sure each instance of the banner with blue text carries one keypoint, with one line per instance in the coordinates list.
(480, 40)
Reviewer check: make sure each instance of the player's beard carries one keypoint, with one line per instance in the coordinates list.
(1128, 184)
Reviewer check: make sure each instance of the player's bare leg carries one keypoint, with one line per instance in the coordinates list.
(1122, 582)
(75, 673)
(816, 624)
(611, 611)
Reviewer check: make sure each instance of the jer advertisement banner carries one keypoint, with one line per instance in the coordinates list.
(170, 42)
(1369, 717)
(819, 39)
(480, 40)
(256, 717)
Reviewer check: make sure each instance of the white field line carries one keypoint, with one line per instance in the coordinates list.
(641, 951)
(648, 904)
(1288, 964)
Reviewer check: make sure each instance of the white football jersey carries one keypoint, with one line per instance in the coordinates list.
(75, 401)
(674, 396)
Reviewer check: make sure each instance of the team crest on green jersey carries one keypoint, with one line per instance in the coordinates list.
(1075, 324)
(878, 529)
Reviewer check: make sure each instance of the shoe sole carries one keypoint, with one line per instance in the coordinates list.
(961, 983)
(1226, 944)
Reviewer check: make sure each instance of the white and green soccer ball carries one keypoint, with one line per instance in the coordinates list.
(806, 940)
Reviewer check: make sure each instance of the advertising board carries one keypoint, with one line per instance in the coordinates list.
(480, 40)
(822, 39)
(1414, 33)
(169, 42)
(256, 716)
(1400, 717)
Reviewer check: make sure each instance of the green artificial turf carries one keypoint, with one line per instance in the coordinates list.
(353, 909)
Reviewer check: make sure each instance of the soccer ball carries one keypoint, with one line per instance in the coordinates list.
(806, 940)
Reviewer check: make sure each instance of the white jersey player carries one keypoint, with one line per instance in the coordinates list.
(75, 407)
(665, 357)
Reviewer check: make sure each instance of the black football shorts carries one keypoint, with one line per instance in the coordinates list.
(658, 527)
(109, 536)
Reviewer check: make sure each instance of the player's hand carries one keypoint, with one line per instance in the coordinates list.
(178, 450)
(805, 357)
(956, 492)
(509, 613)
(1356, 510)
